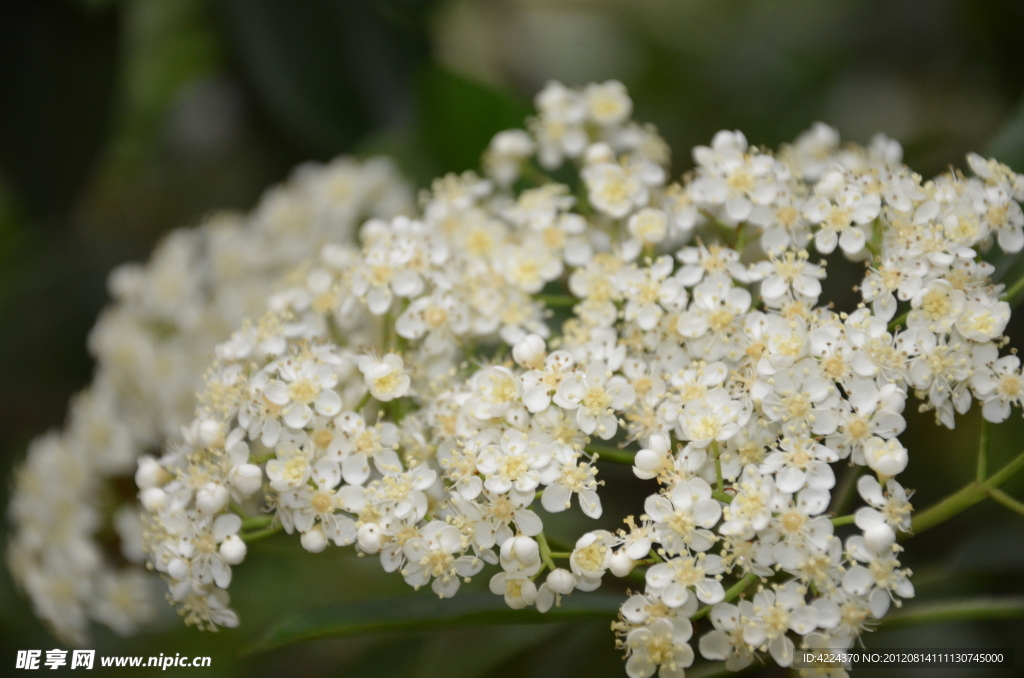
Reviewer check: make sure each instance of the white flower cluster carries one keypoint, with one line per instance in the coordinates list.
(151, 349)
(417, 393)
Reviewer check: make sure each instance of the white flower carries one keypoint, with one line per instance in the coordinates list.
(303, 383)
(726, 642)
(540, 384)
(683, 516)
(671, 580)
(595, 395)
(321, 503)
(608, 103)
(385, 377)
(433, 556)
(441, 317)
(660, 646)
(513, 463)
(566, 476)
(880, 581)
(801, 399)
(494, 389)
(771, 614)
(649, 225)
(519, 590)
(790, 276)
(590, 558)
(998, 382)
(715, 417)
(886, 457)
(358, 443)
(614, 189)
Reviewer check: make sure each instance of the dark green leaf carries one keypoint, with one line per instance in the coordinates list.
(964, 609)
(426, 612)
(458, 117)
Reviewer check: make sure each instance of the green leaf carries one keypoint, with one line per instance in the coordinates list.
(458, 117)
(964, 609)
(1008, 145)
(426, 612)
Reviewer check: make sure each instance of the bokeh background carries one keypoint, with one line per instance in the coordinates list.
(123, 119)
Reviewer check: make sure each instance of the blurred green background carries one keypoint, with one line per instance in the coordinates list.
(123, 119)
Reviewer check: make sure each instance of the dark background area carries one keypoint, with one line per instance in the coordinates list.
(123, 119)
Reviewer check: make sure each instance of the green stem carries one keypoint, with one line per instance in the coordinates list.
(260, 458)
(898, 321)
(557, 300)
(545, 551)
(730, 594)
(362, 402)
(257, 523)
(843, 520)
(237, 510)
(741, 238)
(719, 482)
(1013, 290)
(983, 444)
(561, 555)
(722, 496)
(847, 489)
(260, 534)
(964, 498)
(612, 454)
(1007, 501)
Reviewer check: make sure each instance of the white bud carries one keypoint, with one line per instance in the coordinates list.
(248, 478)
(529, 351)
(599, 153)
(879, 538)
(209, 433)
(370, 537)
(212, 498)
(561, 581)
(314, 540)
(153, 499)
(232, 550)
(150, 473)
(545, 598)
(179, 569)
(520, 554)
(620, 564)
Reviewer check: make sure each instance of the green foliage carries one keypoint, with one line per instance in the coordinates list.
(426, 612)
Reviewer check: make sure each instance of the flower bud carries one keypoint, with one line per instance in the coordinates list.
(599, 153)
(620, 564)
(212, 498)
(150, 473)
(561, 581)
(370, 537)
(153, 499)
(248, 478)
(545, 598)
(529, 352)
(314, 540)
(232, 550)
(209, 433)
(519, 553)
(179, 569)
(879, 538)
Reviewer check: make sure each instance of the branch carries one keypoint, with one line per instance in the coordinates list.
(968, 496)
(731, 594)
